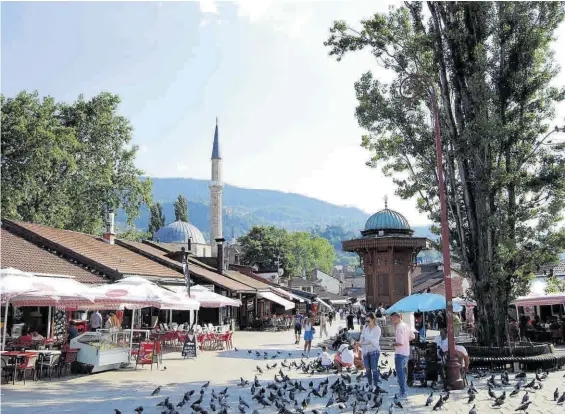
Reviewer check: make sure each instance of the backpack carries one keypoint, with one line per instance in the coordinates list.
(379, 314)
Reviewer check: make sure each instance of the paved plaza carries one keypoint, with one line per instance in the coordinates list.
(128, 389)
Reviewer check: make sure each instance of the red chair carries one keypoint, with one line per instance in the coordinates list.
(28, 364)
(70, 356)
(225, 339)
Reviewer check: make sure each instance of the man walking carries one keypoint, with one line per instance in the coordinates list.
(95, 321)
(404, 335)
(323, 326)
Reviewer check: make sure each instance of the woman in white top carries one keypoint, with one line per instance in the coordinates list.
(370, 338)
(344, 357)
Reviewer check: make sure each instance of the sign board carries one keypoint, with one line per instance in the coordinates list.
(189, 347)
(145, 353)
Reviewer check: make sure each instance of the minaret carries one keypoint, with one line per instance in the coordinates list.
(216, 189)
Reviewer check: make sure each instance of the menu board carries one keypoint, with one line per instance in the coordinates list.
(145, 355)
(189, 347)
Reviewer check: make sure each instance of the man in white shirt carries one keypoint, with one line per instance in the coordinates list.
(460, 351)
(404, 335)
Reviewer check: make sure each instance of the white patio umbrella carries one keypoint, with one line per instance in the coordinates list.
(205, 297)
(13, 282)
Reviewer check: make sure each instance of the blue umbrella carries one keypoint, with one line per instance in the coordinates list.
(421, 302)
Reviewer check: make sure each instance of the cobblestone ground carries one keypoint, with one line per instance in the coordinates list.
(128, 389)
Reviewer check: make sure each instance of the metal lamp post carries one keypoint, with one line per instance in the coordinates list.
(453, 369)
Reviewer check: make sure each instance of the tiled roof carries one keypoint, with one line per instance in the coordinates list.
(85, 248)
(21, 254)
(456, 286)
(324, 294)
(299, 282)
(200, 271)
(246, 280)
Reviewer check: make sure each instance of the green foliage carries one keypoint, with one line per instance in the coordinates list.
(63, 164)
(555, 284)
(181, 209)
(157, 218)
(133, 234)
(299, 253)
(487, 67)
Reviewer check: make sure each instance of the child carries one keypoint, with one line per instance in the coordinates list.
(325, 358)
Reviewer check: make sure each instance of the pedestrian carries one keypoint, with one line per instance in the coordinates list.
(402, 350)
(330, 317)
(359, 314)
(95, 321)
(309, 332)
(350, 319)
(370, 343)
(297, 328)
(323, 325)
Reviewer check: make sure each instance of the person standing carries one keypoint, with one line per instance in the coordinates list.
(308, 335)
(370, 343)
(350, 319)
(323, 325)
(359, 314)
(297, 328)
(402, 350)
(331, 317)
(95, 321)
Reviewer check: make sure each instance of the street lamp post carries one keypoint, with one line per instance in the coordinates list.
(453, 369)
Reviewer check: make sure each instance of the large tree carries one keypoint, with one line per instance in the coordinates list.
(491, 67)
(181, 209)
(156, 219)
(265, 247)
(63, 164)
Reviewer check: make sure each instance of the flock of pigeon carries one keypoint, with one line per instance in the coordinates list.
(346, 391)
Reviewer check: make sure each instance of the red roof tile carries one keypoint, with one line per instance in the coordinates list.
(21, 254)
(86, 248)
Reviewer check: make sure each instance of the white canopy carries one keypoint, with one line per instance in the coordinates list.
(14, 282)
(204, 296)
(288, 295)
(540, 300)
(137, 292)
(339, 301)
(277, 299)
(320, 301)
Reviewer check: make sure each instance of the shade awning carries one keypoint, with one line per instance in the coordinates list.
(534, 300)
(277, 299)
(290, 296)
(339, 301)
(321, 302)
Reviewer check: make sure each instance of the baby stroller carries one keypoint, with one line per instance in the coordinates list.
(423, 365)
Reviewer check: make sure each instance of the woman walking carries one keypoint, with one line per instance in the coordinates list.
(308, 335)
(370, 337)
(323, 325)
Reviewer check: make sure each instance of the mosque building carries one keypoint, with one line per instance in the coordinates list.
(183, 234)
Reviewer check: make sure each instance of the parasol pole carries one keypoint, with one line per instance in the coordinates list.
(49, 323)
(131, 332)
(5, 326)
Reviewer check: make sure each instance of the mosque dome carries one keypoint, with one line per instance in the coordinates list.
(387, 220)
(179, 232)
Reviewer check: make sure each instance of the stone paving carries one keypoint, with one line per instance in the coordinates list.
(127, 389)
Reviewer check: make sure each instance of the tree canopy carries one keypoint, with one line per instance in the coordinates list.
(491, 66)
(63, 164)
(181, 209)
(298, 253)
(156, 219)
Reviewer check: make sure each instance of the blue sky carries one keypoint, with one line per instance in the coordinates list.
(286, 109)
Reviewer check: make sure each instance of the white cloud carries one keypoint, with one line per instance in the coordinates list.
(208, 7)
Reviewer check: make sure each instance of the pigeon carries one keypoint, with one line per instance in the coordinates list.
(561, 399)
(242, 382)
(397, 402)
(446, 397)
(556, 394)
(116, 411)
(156, 391)
(526, 398)
(471, 398)
(139, 409)
(430, 399)
(515, 391)
(438, 404)
(249, 351)
(498, 402)
(259, 369)
(523, 407)
(241, 409)
(236, 350)
(164, 403)
(206, 385)
(473, 410)
(390, 409)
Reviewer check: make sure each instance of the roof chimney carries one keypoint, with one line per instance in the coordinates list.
(220, 256)
(109, 236)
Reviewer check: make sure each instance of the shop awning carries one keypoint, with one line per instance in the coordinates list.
(290, 296)
(277, 299)
(541, 300)
(321, 302)
(339, 301)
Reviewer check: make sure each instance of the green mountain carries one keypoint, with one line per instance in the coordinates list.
(244, 207)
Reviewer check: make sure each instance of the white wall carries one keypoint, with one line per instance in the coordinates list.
(329, 283)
